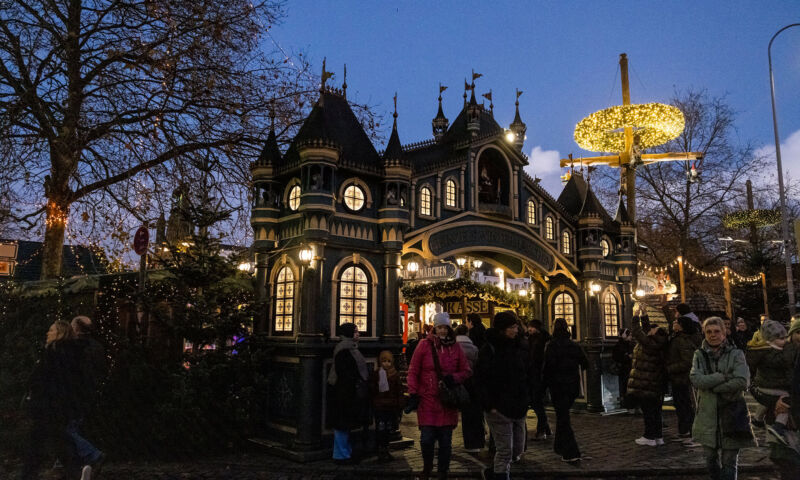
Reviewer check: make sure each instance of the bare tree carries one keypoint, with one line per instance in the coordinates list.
(96, 93)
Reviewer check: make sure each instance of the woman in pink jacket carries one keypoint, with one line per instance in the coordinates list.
(436, 422)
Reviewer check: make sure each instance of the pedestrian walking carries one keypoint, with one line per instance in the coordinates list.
(742, 334)
(502, 383)
(622, 355)
(92, 369)
(477, 331)
(347, 393)
(684, 341)
(53, 401)
(436, 421)
(720, 374)
(472, 422)
(537, 340)
(563, 359)
(386, 392)
(647, 379)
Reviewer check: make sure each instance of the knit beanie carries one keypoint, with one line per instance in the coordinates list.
(795, 326)
(347, 330)
(683, 309)
(687, 324)
(772, 330)
(504, 320)
(441, 318)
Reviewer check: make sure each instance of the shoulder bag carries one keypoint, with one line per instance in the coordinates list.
(734, 418)
(451, 397)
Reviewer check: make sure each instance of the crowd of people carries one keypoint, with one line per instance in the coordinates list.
(62, 392)
(492, 377)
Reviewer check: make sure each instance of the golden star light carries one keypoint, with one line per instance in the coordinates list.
(654, 124)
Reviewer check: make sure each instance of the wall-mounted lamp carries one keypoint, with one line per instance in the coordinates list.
(306, 255)
(640, 292)
(522, 292)
(594, 288)
(412, 268)
(461, 261)
(244, 267)
(477, 263)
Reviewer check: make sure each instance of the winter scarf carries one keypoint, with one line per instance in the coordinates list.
(349, 344)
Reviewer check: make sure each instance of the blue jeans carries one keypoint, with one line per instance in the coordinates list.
(428, 437)
(87, 452)
(724, 470)
(342, 450)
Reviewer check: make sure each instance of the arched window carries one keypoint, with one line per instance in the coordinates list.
(549, 228)
(354, 297)
(294, 197)
(425, 201)
(531, 212)
(566, 248)
(284, 300)
(610, 314)
(450, 193)
(354, 197)
(605, 246)
(564, 307)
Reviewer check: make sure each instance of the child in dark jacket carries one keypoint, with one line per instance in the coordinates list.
(387, 400)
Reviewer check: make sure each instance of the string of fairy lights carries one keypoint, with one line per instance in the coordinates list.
(653, 123)
(733, 277)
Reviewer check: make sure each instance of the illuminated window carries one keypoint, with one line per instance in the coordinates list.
(565, 242)
(610, 314)
(564, 307)
(531, 212)
(294, 197)
(354, 197)
(284, 300)
(354, 297)
(549, 228)
(450, 193)
(605, 246)
(425, 201)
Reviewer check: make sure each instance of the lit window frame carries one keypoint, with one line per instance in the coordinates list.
(343, 297)
(450, 193)
(351, 198)
(559, 301)
(293, 200)
(606, 246)
(531, 210)
(425, 201)
(285, 278)
(550, 228)
(611, 320)
(566, 242)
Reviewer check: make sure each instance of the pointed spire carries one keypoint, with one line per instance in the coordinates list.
(394, 150)
(591, 205)
(518, 127)
(466, 87)
(517, 118)
(622, 213)
(271, 153)
(344, 83)
(440, 123)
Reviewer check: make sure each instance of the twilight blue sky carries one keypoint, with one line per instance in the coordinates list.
(563, 55)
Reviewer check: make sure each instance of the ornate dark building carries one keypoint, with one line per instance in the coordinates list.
(357, 217)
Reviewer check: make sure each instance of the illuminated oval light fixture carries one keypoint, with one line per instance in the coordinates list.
(639, 292)
(244, 267)
(595, 288)
(477, 263)
(522, 293)
(306, 255)
(461, 261)
(510, 136)
(412, 267)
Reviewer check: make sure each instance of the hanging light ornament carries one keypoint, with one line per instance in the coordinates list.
(653, 123)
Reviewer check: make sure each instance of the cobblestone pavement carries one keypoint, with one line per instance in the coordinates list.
(606, 442)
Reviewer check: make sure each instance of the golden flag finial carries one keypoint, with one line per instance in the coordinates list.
(325, 74)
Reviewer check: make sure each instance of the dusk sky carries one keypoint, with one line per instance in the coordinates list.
(562, 55)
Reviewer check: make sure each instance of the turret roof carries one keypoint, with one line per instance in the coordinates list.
(271, 154)
(622, 213)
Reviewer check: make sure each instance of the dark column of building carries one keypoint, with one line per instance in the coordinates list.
(260, 324)
(391, 297)
(309, 422)
(594, 348)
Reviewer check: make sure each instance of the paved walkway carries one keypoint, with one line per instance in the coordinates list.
(607, 441)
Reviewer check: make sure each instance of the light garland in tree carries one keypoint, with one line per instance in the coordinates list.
(459, 288)
(654, 124)
(756, 218)
(734, 277)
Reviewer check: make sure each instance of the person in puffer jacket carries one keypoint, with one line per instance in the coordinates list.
(646, 383)
(685, 340)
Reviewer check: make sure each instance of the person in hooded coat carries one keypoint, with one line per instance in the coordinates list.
(502, 383)
(537, 340)
(348, 393)
(436, 422)
(477, 332)
(646, 382)
(472, 422)
(563, 359)
(685, 340)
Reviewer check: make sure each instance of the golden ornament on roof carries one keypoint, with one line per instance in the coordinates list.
(653, 123)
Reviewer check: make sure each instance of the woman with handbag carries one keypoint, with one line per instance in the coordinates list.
(722, 426)
(437, 372)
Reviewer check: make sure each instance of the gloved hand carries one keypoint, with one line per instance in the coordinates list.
(413, 403)
(449, 381)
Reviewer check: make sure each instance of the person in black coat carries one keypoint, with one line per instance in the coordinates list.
(502, 383)
(537, 340)
(477, 331)
(563, 359)
(622, 355)
(53, 400)
(348, 393)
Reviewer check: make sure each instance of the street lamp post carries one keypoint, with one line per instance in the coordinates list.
(787, 253)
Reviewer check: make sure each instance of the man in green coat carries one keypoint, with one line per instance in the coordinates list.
(725, 381)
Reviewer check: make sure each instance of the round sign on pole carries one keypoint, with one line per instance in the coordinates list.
(140, 240)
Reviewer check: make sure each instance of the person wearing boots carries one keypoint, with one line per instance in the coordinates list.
(537, 339)
(563, 359)
(436, 422)
(502, 383)
(386, 392)
(646, 382)
(685, 340)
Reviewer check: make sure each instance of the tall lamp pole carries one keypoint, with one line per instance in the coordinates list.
(787, 251)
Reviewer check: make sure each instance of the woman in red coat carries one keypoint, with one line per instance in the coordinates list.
(436, 422)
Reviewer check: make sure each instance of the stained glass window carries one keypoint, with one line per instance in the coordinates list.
(531, 212)
(610, 314)
(564, 307)
(354, 197)
(294, 197)
(354, 297)
(566, 248)
(549, 228)
(450, 193)
(284, 300)
(425, 201)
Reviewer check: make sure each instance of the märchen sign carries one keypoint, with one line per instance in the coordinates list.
(436, 272)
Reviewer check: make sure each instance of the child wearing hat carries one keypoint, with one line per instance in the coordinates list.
(386, 391)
